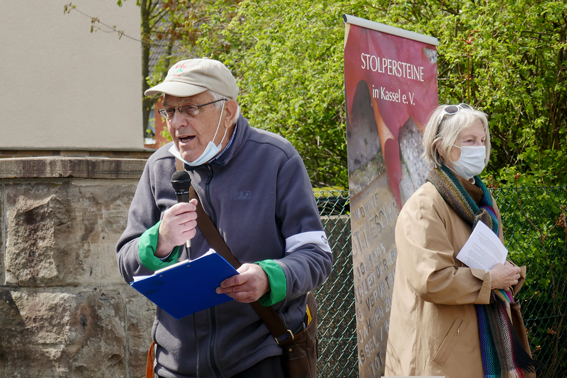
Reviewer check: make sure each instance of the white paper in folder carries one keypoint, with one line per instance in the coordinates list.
(483, 250)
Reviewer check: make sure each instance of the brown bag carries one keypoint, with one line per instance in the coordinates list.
(299, 357)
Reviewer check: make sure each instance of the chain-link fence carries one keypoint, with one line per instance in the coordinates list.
(535, 231)
(338, 349)
(536, 236)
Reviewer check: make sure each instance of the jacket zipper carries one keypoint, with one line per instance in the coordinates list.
(208, 195)
(212, 351)
(212, 311)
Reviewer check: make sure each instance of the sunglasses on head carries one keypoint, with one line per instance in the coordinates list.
(452, 110)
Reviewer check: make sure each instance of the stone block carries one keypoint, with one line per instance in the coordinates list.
(65, 167)
(2, 231)
(62, 334)
(140, 314)
(63, 233)
(65, 311)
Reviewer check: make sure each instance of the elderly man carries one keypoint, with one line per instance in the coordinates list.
(255, 188)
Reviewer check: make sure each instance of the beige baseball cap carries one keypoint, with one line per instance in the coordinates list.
(193, 76)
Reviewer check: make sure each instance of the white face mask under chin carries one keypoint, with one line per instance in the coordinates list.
(211, 150)
(471, 163)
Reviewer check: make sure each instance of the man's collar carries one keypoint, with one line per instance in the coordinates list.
(228, 145)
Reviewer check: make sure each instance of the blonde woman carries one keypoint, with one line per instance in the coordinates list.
(448, 319)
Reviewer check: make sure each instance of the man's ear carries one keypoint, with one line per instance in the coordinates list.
(230, 109)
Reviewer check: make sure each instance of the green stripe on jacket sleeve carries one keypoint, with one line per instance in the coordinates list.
(278, 283)
(147, 248)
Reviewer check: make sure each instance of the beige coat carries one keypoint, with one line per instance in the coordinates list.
(433, 324)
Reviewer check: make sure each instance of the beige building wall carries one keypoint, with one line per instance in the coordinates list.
(63, 87)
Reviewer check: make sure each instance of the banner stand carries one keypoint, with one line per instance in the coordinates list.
(390, 91)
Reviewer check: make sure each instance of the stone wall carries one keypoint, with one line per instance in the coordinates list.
(6, 153)
(65, 311)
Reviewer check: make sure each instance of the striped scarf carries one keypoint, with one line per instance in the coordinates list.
(502, 353)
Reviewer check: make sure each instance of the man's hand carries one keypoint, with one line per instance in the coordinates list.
(177, 226)
(248, 286)
(504, 276)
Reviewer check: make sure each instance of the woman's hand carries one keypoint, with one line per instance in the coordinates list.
(504, 276)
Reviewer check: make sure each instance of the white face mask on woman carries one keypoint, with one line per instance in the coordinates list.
(471, 163)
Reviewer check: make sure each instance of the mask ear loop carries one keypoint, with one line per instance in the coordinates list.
(225, 130)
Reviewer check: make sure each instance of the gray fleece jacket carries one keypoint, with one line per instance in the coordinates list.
(258, 195)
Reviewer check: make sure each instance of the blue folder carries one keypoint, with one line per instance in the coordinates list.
(189, 286)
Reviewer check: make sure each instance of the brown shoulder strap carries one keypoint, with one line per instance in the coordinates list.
(179, 165)
(211, 233)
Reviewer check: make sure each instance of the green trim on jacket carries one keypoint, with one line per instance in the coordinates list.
(278, 283)
(147, 248)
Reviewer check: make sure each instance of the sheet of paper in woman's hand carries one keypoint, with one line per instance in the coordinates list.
(483, 250)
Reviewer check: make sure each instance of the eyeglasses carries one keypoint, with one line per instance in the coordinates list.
(452, 110)
(190, 110)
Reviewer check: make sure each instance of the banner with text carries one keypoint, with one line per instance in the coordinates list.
(391, 89)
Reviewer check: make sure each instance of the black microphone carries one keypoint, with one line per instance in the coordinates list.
(181, 183)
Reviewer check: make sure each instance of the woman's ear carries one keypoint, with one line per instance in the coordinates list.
(438, 149)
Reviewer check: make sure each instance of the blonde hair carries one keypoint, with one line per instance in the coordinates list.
(442, 130)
